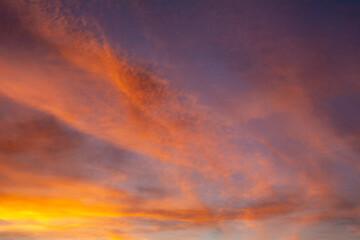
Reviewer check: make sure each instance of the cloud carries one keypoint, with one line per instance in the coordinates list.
(95, 145)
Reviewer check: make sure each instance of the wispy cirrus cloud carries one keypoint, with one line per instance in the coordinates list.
(93, 145)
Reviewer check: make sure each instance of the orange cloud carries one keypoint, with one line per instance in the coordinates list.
(94, 146)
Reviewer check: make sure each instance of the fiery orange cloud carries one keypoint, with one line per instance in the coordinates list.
(93, 145)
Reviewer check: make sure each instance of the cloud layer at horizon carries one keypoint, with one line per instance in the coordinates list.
(179, 120)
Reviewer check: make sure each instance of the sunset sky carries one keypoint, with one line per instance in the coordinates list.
(179, 120)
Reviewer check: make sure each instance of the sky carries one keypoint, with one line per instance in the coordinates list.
(169, 120)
